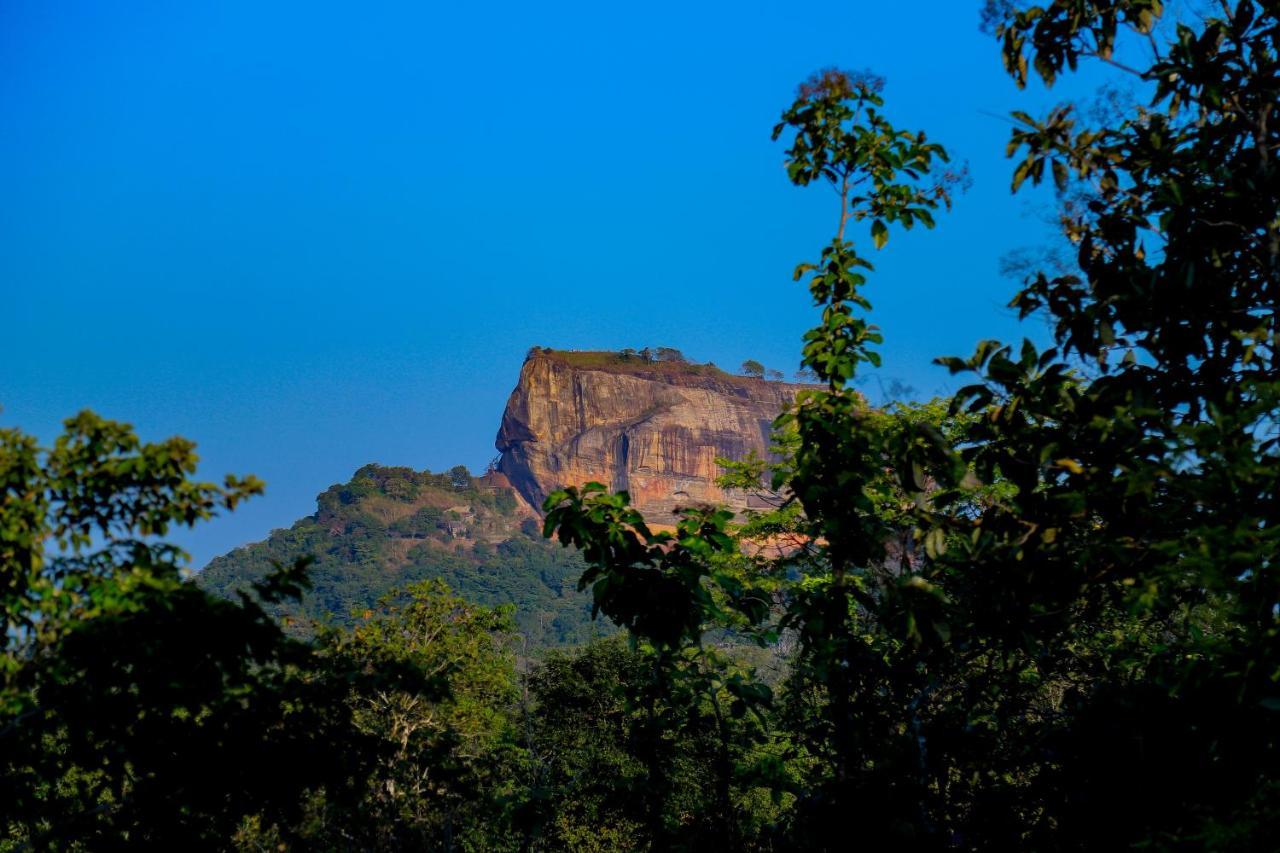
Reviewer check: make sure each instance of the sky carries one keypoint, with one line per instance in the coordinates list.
(310, 236)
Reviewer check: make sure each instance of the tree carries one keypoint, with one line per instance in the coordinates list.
(449, 759)
(774, 375)
(669, 590)
(669, 355)
(135, 709)
(854, 659)
(581, 738)
(460, 477)
(752, 368)
(608, 762)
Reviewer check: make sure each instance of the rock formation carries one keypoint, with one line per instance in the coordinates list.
(653, 429)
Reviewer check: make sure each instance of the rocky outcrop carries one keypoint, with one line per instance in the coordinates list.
(654, 430)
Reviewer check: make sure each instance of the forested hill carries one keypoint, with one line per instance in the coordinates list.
(389, 527)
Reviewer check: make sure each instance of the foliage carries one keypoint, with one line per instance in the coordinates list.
(1143, 446)
(78, 520)
(460, 477)
(669, 354)
(629, 758)
(449, 767)
(662, 361)
(1049, 617)
(582, 743)
(137, 710)
(668, 589)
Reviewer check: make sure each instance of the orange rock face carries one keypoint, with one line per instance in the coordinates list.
(653, 430)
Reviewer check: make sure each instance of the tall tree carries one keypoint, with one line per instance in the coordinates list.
(448, 770)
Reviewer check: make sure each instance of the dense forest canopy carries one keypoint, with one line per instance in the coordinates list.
(1041, 614)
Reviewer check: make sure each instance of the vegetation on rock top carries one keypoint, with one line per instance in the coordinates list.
(661, 362)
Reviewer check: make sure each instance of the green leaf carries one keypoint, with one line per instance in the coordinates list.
(879, 233)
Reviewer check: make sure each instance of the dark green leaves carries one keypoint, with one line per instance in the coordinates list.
(655, 584)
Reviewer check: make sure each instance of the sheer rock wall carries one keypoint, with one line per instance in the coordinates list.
(655, 433)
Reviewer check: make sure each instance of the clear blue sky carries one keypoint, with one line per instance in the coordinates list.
(314, 235)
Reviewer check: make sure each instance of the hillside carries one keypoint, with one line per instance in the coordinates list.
(389, 527)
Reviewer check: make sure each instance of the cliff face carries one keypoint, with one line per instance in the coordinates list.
(653, 430)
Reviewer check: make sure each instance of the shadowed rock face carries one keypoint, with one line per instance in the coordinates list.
(655, 433)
